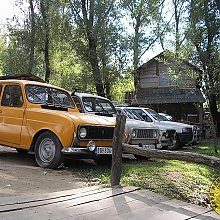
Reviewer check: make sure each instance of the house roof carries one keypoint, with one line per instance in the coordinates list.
(163, 55)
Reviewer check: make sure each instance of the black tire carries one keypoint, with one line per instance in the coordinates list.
(177, 145)
(48, 151)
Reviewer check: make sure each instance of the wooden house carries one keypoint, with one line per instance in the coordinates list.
(168, 87)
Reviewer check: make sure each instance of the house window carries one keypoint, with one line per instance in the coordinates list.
(164, 81)
(167, 81)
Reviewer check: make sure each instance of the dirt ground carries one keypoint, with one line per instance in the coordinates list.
(19, 175)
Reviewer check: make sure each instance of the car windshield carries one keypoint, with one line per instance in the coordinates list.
(93, 104)
(48, 96)
(155, 115)
(132, 115)
(164, 117)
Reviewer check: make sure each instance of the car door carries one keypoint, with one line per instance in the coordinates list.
(11, 115)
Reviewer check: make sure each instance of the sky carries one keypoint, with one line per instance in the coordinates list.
(8, 10)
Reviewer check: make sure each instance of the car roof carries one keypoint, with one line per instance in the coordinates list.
(82, 94)
(28, 82)
(136, 107)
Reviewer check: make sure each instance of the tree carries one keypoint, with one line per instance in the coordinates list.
(204, 35)
(87, 22)
(143, 15)
(99, 40)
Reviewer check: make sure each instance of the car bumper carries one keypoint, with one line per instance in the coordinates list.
(86, 152)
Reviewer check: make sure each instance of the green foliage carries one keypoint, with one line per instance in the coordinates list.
(2, 52)
(121, 86)
(143, 17)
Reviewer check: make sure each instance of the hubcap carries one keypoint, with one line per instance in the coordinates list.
(47, 150)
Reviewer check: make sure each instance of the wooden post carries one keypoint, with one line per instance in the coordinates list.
(117, 150)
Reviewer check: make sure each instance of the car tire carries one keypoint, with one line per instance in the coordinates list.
(177, 145)
(48, 151)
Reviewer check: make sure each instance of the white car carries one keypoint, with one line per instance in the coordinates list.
(167, 136)
(139, 133)
(186, 134)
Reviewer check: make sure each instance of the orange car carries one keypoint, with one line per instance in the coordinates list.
(41, 118)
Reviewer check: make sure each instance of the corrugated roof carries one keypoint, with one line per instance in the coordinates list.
(171, 98)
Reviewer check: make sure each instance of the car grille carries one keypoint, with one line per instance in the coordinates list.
(188, 130)
(98, 133)
(145, 133)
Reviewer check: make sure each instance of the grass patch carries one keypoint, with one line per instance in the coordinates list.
(205, 147)
(176, 179)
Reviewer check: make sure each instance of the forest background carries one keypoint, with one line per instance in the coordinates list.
(97, 45)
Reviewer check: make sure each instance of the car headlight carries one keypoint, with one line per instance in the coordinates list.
(155, 133)
(185, 130)
(82, 132)
(134, 133)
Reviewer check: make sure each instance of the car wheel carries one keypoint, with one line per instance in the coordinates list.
(177, 145)
(48, 151)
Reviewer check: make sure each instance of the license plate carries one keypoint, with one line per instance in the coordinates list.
(150, 146)
(104, 150)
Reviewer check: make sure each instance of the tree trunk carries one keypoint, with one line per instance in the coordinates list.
(173, 155)
(32, 40)
(93, 57)
(45, 10)
(117, 150)
(214, 111)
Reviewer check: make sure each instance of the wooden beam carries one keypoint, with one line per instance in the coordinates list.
(174, 155)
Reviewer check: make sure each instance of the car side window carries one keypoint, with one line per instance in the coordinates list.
(12, 96)
(143, 115)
